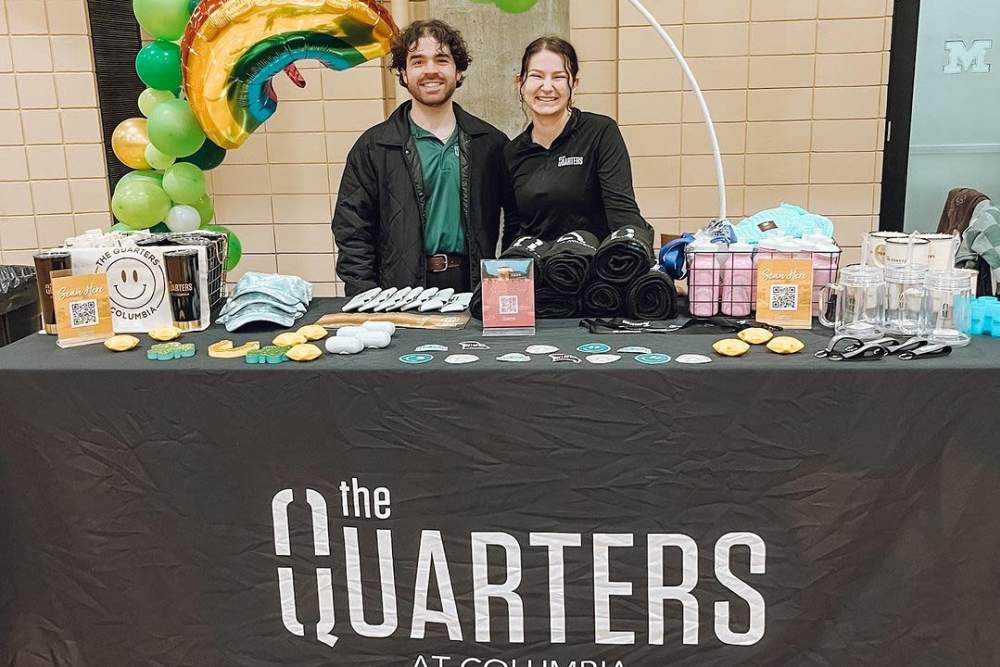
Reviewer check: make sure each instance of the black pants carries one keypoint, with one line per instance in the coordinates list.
(456, 278)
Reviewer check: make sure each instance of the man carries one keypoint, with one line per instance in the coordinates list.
(420, 198)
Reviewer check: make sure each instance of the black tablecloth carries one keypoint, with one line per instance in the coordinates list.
(807, 512)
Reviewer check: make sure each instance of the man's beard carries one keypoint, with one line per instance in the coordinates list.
(435, 99)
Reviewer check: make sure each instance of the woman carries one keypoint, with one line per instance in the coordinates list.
(569, 169)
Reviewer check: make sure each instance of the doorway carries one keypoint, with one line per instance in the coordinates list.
(942, 127)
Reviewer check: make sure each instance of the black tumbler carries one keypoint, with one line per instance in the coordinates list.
(48, 265)
(182, 283)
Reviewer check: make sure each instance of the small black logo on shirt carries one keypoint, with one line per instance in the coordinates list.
(565, 161)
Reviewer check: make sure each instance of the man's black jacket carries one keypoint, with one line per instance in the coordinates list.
(379, 220)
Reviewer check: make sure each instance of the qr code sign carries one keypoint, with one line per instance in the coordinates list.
(508, 304)
(82, 314)
(784, 297)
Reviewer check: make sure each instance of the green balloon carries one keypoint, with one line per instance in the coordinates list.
(156, 159)
(159, 65)
(149, 176)
(515, 6)
(205, 208)
(150, 98)
(174, 130)
(185, 183)
(163, 19)
(193, 5)
(235, 247)
(140, 205)
(158, 228)
(208, 157)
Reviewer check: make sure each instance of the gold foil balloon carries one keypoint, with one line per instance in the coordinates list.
(129, 142)
(233, 48)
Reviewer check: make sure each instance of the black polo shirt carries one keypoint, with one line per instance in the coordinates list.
(584, 181)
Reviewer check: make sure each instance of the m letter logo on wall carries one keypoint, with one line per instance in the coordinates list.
(964, 58)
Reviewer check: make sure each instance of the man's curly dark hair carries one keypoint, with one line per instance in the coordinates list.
(440, 31)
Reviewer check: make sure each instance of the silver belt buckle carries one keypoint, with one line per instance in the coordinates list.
(446, 263)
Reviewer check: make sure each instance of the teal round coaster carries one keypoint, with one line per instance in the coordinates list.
(594, 348)
(416, 358)
(653, 359)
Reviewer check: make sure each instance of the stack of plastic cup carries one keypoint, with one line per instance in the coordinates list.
(704, 279)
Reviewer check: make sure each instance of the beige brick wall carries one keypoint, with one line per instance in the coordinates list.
(797, 88)
(53, 177)
(279, 189)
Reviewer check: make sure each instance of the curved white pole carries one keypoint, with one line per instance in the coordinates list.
(713, 138)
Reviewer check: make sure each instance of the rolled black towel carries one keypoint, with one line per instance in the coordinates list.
(553, 305)
(651, 296)
(476, 305)
(528, 247)
(602, 299)
(566, 265)
(625, 255)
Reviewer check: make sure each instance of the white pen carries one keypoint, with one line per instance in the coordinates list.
(458, 303)
(424, 297)
(393, 303)
(379, 300)
(361, 299)
(439, 300)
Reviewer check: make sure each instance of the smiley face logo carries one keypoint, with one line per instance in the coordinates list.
(135, 284)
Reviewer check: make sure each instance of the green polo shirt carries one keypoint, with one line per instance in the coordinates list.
(443, 189)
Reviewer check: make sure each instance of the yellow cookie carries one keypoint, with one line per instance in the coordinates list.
(121, 343)
(313, 332)
(785, 345)
(731, 347)
(304, 352)
(164, 334)
(289, 339)
(755, 336)
(224, 349)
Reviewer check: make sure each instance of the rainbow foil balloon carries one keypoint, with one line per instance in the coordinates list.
(233, 48)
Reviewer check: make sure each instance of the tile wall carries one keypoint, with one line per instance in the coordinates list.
(797, 87)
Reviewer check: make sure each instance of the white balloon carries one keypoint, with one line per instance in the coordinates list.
(183, 218)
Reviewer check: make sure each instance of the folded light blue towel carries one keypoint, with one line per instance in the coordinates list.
(787, 219)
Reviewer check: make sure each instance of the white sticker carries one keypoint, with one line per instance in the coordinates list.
(514, 358)
(541, 349)
(601, 359)
(693, 359)
(461, 359)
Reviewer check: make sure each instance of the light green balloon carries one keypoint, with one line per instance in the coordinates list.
(158, 160)
(148, 175)
(151, 98)
(184, 182)
(515, 6)
(206, 209)
(174, 130)
(163, 19)
(140, 204)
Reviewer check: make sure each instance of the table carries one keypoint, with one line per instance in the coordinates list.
(356, 511)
